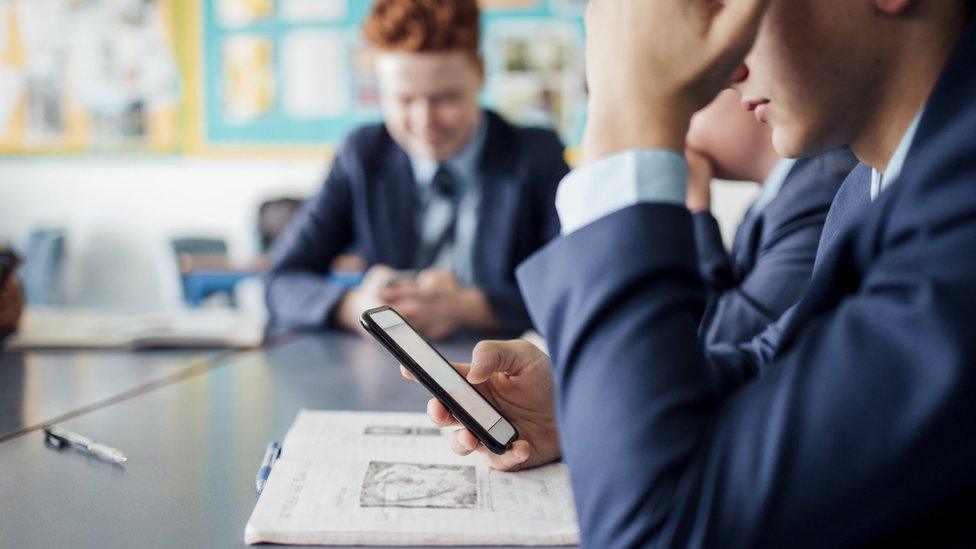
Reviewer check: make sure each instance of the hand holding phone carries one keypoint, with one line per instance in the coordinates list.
(435, 373)
(400, 277)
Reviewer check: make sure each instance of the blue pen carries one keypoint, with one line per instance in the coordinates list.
(271, 455)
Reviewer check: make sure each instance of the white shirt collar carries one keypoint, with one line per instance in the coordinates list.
(881, 180)
(773, 183)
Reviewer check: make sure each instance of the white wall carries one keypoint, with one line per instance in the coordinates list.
(121, 211)
(729, 203)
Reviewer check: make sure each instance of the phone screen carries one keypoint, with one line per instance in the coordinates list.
(437, 368)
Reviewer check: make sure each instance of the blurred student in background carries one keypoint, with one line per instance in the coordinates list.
(775, 245)
(442, 200)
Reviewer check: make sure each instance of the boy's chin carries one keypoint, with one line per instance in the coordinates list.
(793, 144)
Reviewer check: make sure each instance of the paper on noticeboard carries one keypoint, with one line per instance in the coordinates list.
(249, 81)
(315, 76)
(301, 11)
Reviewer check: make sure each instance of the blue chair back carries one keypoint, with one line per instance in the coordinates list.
(41, 272)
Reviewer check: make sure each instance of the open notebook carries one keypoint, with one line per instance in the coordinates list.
(364, 478)
(88, 329)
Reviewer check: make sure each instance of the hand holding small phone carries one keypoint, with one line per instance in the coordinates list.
(435, 373)
(431, 302)
(401, 277)
(515, 380)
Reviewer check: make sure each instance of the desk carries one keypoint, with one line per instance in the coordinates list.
(193, 447)
(38, 387)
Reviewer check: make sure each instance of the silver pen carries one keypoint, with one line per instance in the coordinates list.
(59, 437)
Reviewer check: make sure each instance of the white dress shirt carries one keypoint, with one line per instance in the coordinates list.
(881, 180)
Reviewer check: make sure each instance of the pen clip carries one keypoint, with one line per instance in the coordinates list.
(53, 439)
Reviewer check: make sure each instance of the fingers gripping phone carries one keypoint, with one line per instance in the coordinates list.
(435, 373)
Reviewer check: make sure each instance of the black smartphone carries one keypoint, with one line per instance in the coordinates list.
(435, 373)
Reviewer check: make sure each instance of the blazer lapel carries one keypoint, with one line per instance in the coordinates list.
(841, 260)
(854, 195)
(394, 205)
(746, 242)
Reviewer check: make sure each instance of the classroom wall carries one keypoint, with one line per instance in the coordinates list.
(121, 211)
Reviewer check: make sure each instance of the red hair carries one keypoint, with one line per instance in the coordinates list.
(424, 26)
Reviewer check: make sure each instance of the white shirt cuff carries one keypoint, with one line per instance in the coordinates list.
(596, 190)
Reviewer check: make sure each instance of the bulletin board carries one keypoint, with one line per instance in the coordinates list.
(114, 87)
(263, 87)
(225, 76)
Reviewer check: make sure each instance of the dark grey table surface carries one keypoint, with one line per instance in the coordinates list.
(37, 387)
(193, 446)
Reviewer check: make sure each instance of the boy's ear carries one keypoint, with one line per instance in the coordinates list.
(893, 7)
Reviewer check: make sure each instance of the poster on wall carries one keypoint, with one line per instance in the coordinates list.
(318, 11)
(536, 74)
(251, 73)
(113, 87)
(315, 85)
(299, 74)
(249, 83)
(241, 13)
(321, 84)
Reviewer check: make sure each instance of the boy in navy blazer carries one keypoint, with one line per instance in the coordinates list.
(775, 245)
(858, 428)
(442, 188)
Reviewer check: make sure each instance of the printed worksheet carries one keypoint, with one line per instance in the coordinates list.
(355, 478)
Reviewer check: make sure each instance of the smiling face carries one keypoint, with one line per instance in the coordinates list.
(811, 74)
(430, 100)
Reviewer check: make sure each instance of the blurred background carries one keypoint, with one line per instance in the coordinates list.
(151, 150)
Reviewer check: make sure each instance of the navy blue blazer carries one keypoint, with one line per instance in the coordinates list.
(732, 363)
(370, 200)
(772, 254)
(861, 430)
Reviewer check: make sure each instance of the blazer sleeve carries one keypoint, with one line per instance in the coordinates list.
(836, 443)
(740, 308)
(548, 161)
(742, 305)
(714, 262)
(299, 294)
